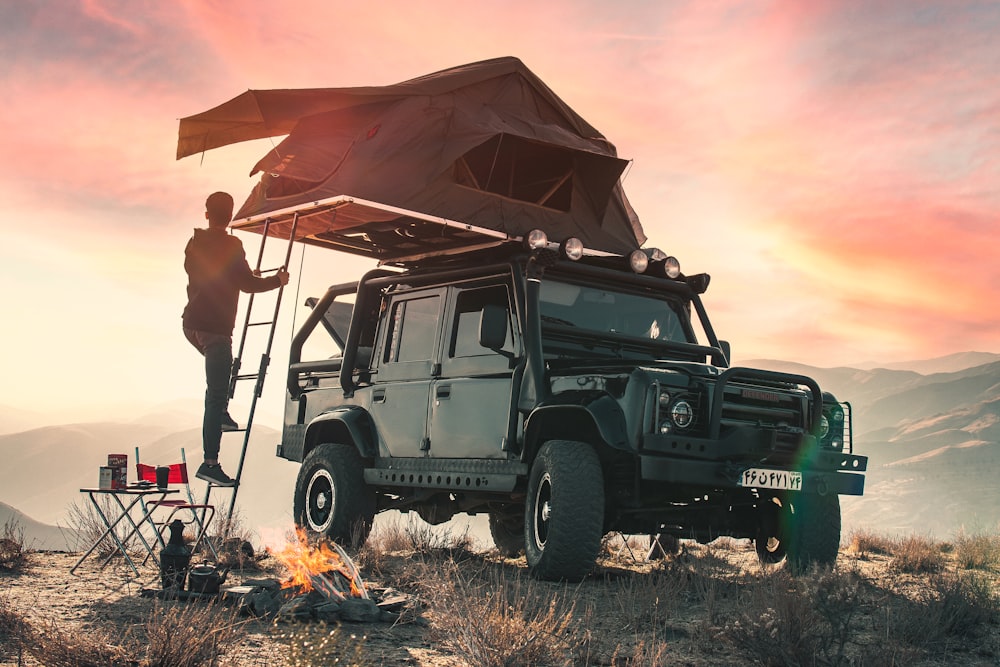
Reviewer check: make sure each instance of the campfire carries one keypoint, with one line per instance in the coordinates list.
(322, 567)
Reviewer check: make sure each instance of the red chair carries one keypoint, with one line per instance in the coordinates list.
(178, 476)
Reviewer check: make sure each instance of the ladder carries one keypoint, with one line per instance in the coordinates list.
(236, 376)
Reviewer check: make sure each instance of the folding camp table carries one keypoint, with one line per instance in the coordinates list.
(127, 500)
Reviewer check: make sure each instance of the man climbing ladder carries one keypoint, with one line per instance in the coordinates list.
(217, 271)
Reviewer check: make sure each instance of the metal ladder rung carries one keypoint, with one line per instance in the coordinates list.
(248, 376)
(257, 324)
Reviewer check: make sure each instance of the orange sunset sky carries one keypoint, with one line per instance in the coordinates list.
(835, 165)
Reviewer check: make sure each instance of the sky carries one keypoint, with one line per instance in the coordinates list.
(834, 165)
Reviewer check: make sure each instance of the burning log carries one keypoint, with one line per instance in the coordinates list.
(323, 567)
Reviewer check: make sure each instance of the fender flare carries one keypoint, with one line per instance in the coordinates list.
(588, 414)
(350, 423)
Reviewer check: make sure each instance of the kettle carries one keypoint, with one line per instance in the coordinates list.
(206, 578)
(174, 558)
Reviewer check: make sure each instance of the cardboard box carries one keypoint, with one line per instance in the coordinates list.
(119, 470)
(104, 482)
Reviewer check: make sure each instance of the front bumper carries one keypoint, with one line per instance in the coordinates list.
(720, 463)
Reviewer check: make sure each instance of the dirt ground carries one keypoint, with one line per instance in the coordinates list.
(685, 610)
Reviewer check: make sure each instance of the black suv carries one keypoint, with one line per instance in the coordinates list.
(564, 396)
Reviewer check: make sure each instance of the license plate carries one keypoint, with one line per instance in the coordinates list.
(763, 478)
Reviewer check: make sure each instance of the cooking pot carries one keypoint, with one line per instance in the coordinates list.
(206, 578)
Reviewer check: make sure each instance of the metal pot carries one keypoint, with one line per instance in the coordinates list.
(206, 578)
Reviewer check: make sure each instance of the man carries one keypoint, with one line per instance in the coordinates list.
(217, 272)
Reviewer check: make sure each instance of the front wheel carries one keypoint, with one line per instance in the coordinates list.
(564, 515)
(815, 535)
(331, 497)
(773, 526)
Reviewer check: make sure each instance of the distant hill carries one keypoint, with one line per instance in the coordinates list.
(44, 469)
(933, 441)
(35, 535)
(947, 364)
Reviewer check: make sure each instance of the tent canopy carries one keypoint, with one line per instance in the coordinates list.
(486, 144)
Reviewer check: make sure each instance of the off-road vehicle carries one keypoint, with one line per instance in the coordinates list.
(564, 398)
(517, 352)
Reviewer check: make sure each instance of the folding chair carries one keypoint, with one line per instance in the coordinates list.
(178, 475)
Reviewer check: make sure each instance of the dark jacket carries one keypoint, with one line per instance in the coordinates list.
(217, 272)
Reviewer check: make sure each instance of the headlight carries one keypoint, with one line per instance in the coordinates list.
(572, 248)
(682, 414)
(536, 239)
(824, 427)
(638, 261)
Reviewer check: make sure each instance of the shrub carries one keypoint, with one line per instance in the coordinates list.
(496, 619)
(863, 543)
(978, 552)
(13, 555)
(916, 555)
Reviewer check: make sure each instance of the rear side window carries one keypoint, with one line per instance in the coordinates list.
(414, 324)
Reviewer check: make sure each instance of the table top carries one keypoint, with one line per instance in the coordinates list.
(132, 490)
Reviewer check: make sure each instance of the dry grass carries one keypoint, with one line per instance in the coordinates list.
(864, 543)
(917, 604)
(13, 555)
(176, 636)
(309, 644)
(978, 552)
(917, 555)
(495, 619)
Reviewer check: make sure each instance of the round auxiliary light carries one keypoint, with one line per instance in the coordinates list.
(664, 399)
(671, 267)
(824, 427)
(638, 261)
(572, 248)
(536, 239)
(682, 414)
(665, 427)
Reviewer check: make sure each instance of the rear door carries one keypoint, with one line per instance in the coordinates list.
(407, 363)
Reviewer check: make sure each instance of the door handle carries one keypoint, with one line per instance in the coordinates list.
(443, 391)
(378, 396)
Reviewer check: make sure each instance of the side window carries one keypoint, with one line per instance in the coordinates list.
(413, 326)
(468, 311)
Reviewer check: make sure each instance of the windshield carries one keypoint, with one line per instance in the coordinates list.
(598, 309)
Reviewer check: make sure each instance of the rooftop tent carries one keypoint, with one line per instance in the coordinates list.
(486, 144)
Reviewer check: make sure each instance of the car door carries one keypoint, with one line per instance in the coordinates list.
(405, 368)
(471, 398)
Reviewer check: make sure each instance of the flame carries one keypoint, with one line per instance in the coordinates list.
(323, 566)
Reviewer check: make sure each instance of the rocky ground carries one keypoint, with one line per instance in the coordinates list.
(887, 603)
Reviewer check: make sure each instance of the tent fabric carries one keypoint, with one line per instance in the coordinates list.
(405, 145)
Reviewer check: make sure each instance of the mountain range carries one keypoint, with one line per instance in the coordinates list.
(932, 438)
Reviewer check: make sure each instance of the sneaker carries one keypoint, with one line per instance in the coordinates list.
(213, 474)
(228, 423)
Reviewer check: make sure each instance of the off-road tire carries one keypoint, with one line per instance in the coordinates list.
(815, 539)
(331, 497)
(773, 530)
(564, 513)
(507, 529)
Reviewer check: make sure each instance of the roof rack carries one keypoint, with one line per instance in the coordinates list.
(390, 234)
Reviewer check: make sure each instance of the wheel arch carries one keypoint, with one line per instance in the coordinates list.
(350, 425)
(591, 417)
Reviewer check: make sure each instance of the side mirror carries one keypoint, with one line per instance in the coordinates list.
(493, 327)
(726, 350)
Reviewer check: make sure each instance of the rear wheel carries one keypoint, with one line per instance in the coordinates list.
(507, 529)
(331, 497)
(564, 515)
